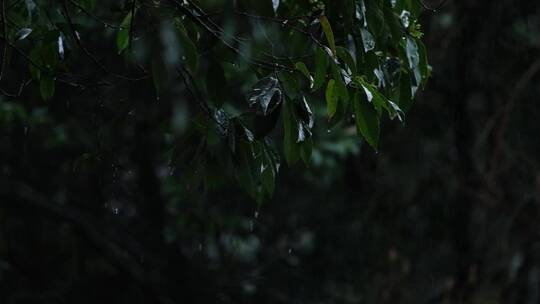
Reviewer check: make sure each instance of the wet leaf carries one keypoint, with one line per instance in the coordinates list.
(46, 87)
(301, 67)
(189, 51)
(265, 96)
(331, 98)
(327, 29)
(23, 33)
(367, 120)
(321, 64)
(275, 5)
(122, 38)
(368, 40)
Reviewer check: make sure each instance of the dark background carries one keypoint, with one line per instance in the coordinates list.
(446, 212)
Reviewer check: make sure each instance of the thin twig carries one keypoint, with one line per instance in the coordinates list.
(214, 32)
(93, 16)
(88, 53)
(432, 9)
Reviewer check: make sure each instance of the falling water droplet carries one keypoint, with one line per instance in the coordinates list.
(256, 215)
(200, 246)
(328, 131)
(251, 226)
(290, 250)
(25, 130)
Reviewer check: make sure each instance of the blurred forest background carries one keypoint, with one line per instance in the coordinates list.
(448, 210)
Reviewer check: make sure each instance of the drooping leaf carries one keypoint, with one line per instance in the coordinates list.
(265, 96)
(189, 51)
(275, 5)
(46, 87)
(367, 39)
(361, 12)
(331, 98)
(327, 29)
(300, 66)
(367, 120)
(23, 33)
(321, 64)
(347, 58)
(122, 37)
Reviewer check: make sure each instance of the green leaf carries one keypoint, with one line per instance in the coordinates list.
(35, 57)
(301, 67)
(265, 96)
(367, 40)
(331, 98)
(269, 168)
(88, 5)
(327, 29)
(46, 87)
(290, 145)
(367, 120)
(290, 84)
(189, 50)
(361, 12)
(347, 58)
(122, 38)
(341, 87)
(306, 150)
(321, 64)
(411, 50)
(405, 91)
(423, 64)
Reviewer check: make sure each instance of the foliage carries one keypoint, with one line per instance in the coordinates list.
(241, 80)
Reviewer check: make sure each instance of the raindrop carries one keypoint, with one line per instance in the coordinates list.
(256, 215)
(290, 250)
(328, 131)
(200, 246)
(25, 130)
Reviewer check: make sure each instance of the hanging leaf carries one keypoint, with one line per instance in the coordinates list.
(275, 5)
(46, 87)
(189, 51)
(331, 98)
(23, 33)
(347, 58)
(265, 96)
(321, 64)
(361, 12)
(122, 38)
(367, 120)
(305, 119)
(301, 67)
(367, 40)
(327, 29)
